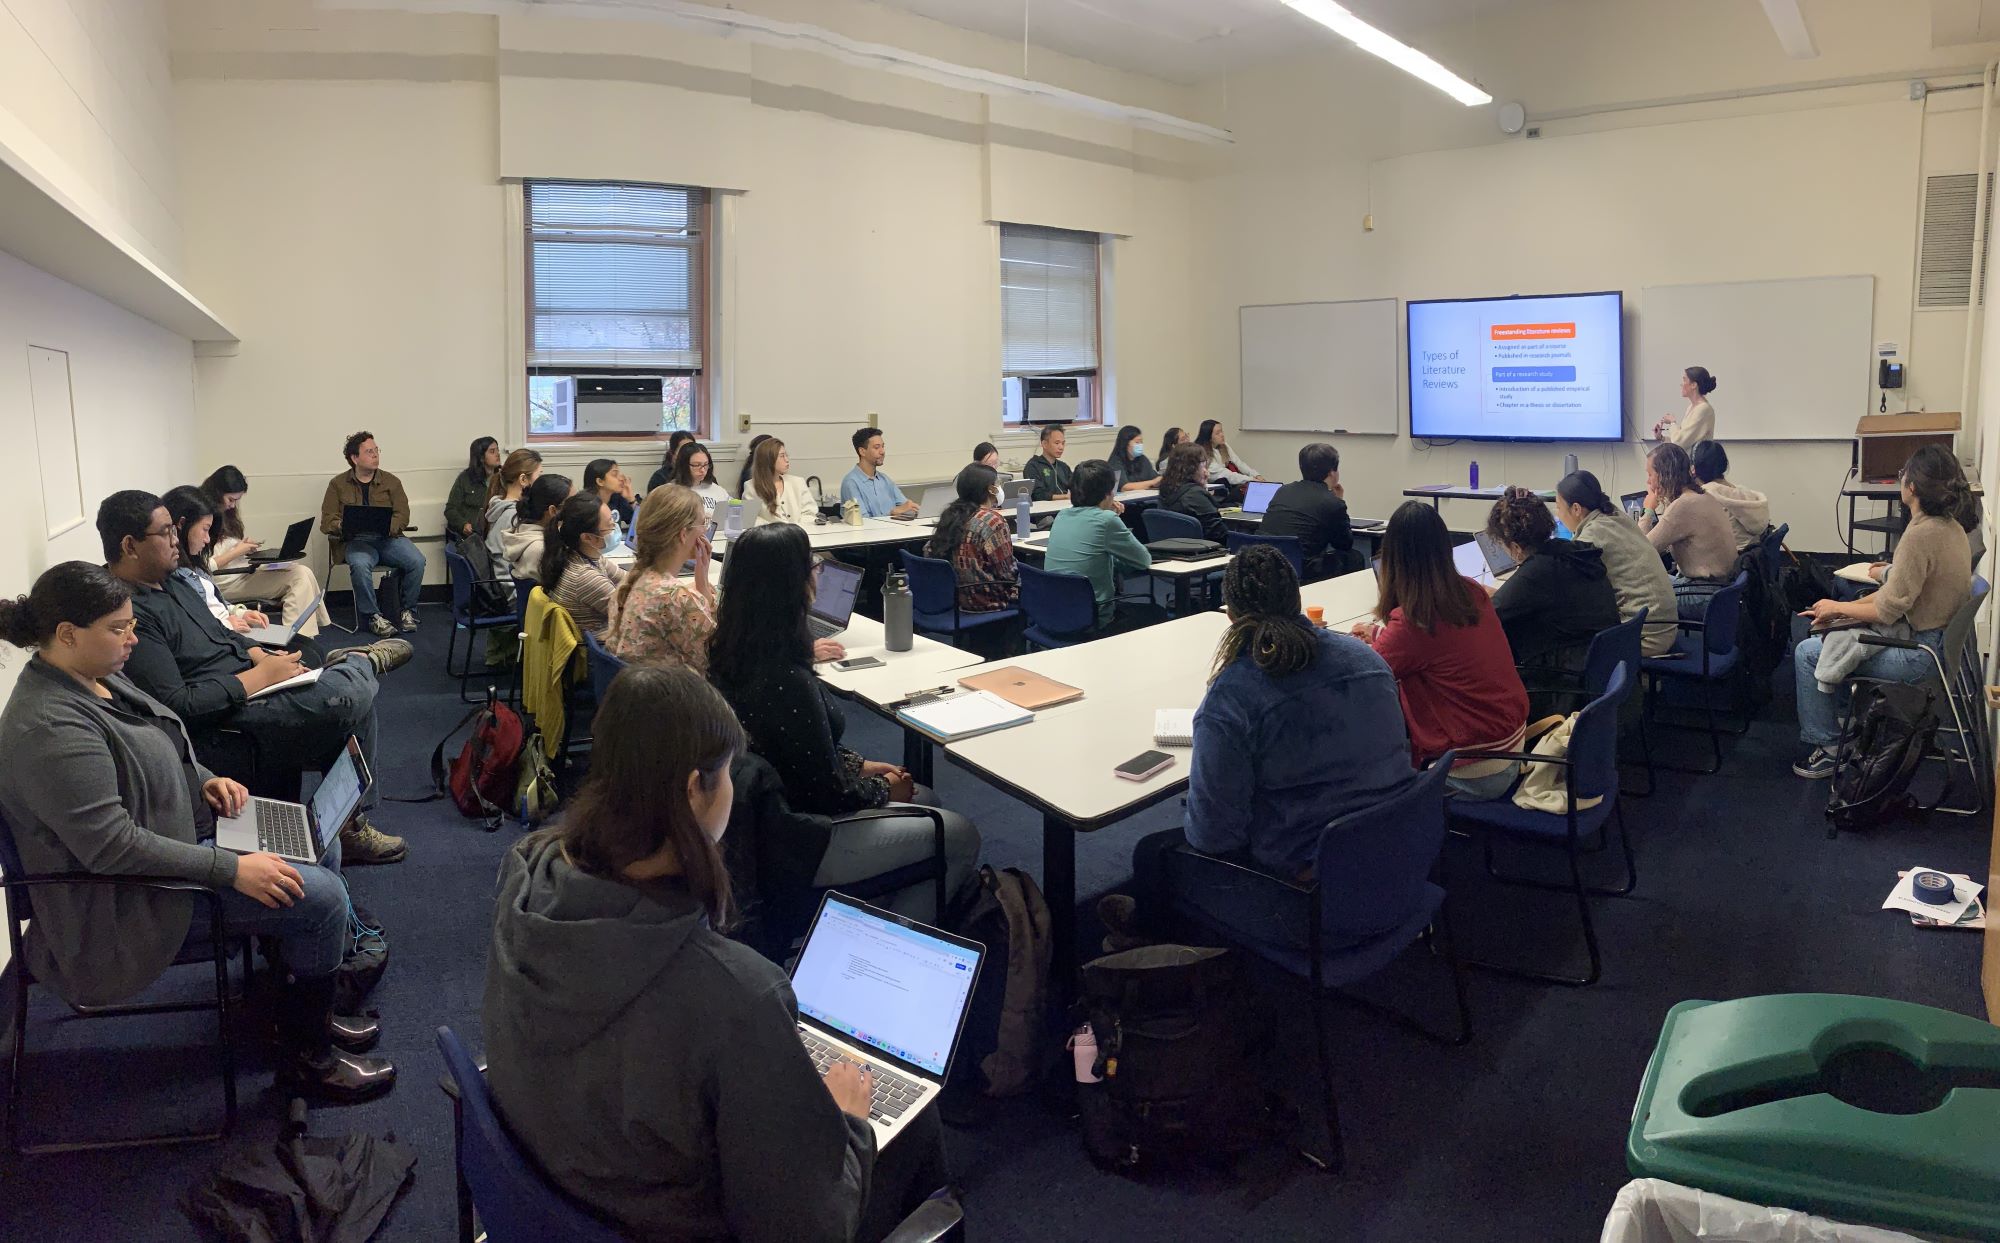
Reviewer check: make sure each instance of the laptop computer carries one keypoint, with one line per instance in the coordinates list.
(362, 520)
(1634, 503)
(881, 989)
(1498, 559)
(293, 830)
(1470, 560)
(280, 635)
(292, 549)
(1018, 488)
(935, 500)
(1257, 497)
(835, 584)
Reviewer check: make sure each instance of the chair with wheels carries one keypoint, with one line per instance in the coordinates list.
(207, 944)
(1061, 608)
(935, 595)
(1705, 653)
(466, 617)
(1288, 544)
(1373, 894)
(1590, 775)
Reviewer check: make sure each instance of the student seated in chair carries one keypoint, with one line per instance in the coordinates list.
(205, 672)
(365, 484)
(785, 496)
(1050, 474)
(1555, 601)
(1749, 510)
(1129, 461)
(676, 441)
(650, 1066)
(1923, 586)
(868, 484)
(694, 470)
(1692, 527)
(1283, 696)
(656, 618)
(573, 559)
(1313, 510)
(1454, 671)
(101, 777)
(293, 586)
(526, 536)
(1638, 577)
(1184, 490)
(470, 486)
(761, 658)
(979, 543)
(986, 454)
(613, 487)
(1090, 538)
(503, 499)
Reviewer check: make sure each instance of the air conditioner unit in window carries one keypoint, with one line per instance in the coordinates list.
(1054, 399)
(618, 404)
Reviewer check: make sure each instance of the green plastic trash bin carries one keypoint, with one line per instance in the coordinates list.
(1858, 1108)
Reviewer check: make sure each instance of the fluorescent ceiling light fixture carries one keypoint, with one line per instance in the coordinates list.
(1398, 53)
(1791, 27)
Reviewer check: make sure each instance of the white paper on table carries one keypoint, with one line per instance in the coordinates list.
(1904, 897)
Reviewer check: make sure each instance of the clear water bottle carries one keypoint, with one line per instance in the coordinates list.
(896, 608)
(1024, 518)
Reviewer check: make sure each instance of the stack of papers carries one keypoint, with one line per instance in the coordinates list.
(1858, 573)
(307, 678)
(1173, 727)
(964, 715)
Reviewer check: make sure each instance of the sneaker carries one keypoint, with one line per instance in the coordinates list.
(382, 626)
(363, 843)
(384, 655)
(1120, 916)
(409, 621)
(1818, 766)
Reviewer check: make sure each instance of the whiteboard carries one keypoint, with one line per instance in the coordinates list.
(1793, 359)
(1321, 367)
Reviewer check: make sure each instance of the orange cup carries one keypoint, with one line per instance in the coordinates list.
(1316, 615)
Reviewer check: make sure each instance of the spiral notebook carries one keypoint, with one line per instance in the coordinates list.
(1173, 727)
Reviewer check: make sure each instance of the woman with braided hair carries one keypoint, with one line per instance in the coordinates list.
(1300, 726)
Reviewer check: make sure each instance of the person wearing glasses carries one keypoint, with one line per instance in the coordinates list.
(206, 673)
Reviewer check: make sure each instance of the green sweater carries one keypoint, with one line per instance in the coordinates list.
(465, 504)
(1095, 542)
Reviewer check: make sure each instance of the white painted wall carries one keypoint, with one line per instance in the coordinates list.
(1811, 183)
(86, 94)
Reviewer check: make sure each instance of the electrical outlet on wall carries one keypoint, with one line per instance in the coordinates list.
(742, 420)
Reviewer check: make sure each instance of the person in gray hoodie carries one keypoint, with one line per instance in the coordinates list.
(1749, 511)
(521, 542)
(1638, 577)
(651, 1066)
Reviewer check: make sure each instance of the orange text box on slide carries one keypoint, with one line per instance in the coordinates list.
(1534, 332)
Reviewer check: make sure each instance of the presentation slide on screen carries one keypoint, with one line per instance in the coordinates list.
(1548, 368)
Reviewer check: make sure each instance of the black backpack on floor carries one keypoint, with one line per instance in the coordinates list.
(1175, 1038)
(1890, 728)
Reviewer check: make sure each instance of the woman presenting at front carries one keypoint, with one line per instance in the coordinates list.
(1697, 422)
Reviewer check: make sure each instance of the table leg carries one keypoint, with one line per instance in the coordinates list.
(1182, 599)
(1059, 890)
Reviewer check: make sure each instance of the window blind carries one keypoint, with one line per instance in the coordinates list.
(615, 275)
(1048, 300)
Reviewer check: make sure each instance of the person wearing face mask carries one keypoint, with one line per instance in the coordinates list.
(573, 559)
(1129, 463)
(1638, 577)
(603, 477)
(979, 543)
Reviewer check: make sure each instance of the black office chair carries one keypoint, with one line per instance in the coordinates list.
(17, 884)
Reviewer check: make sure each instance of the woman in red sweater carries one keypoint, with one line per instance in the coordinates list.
(1454, 671)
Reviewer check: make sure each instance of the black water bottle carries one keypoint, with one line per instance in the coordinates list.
(896, 606)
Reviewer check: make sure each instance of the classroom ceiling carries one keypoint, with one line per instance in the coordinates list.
(1180, 40)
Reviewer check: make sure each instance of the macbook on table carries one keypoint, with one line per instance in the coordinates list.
(835, 584)
(1257, 497)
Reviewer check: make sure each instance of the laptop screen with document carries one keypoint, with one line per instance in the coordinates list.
(834, 588)
(1257, 497)
(881, 983)
(339, 793)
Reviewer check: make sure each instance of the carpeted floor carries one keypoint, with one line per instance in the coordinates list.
(1518, 1136)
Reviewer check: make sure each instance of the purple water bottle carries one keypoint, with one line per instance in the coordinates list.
(1475, 476)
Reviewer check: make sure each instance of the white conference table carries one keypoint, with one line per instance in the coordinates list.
(1061, 762)
(927, 665)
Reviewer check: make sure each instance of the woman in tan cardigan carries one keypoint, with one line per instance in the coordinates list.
(1685, 522)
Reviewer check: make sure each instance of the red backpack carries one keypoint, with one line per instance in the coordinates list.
(482, 779)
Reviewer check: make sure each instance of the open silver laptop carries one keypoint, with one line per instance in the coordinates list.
(1018, 488)
(296, 831)
(935, 500)
(279, 635)
(882, 989)
(835, 585)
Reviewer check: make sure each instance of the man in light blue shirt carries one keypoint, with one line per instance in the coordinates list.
(878, 494)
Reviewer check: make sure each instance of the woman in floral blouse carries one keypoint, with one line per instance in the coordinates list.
(656, 618)
(974, 537)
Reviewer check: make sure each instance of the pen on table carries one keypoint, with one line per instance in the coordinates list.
(916, 697)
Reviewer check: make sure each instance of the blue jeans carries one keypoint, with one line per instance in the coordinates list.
(1484, 789)
(400, 555)
(1820, 712)
(312, 932)
(305, 728)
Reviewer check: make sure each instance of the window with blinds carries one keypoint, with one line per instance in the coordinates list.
(1944, 271)
(616, 274)
(1048, 303)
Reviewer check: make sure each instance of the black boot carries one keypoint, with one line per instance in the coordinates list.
(310, 1064)
(353, 1033)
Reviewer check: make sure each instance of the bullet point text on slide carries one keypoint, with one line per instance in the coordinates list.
(1533, 332)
